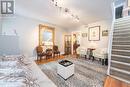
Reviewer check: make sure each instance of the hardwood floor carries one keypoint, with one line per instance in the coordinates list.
(111, 82)
(44, 60)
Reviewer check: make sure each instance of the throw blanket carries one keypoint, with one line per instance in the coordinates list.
(15, 71)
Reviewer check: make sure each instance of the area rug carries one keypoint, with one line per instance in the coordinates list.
(87, 73)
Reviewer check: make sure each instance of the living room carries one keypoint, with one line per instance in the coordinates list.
(70, 43)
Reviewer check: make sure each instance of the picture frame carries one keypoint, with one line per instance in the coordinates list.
(84, 35)
(105, 33)
(94, 33)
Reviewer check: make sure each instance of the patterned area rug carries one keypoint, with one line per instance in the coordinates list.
(87, 73)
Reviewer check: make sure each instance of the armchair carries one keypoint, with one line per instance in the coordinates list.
(48, 53)
(40, 52)
(81, 52)
(101, 53)
(56, 50)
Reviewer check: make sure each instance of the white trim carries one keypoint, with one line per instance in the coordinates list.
(111, 39)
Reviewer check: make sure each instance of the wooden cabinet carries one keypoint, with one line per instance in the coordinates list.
(67, 40)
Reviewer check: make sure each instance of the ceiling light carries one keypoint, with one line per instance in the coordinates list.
(58, 4)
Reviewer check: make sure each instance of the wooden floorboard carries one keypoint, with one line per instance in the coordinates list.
(111, 82)
(44, 60)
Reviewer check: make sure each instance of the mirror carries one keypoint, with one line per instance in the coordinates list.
(46, 35)
(47, 38)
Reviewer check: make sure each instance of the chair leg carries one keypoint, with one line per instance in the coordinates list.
(93, 58)
(40, 58)
(102, 61)
(37, 57)
(85, 57)
(54, 56)
(89, 57)
(46, 57)
(78, 56)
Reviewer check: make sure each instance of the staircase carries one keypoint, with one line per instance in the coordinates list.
(120, 54)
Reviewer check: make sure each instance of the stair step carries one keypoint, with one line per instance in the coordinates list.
(120, 35)
(121, 43)
(121, 39)
(120, 74)
(121, 32)
(121, 28)
(121, 47)
(122, 20)
(120, 58)
(122, 24)
(120, 66)
(121, 52)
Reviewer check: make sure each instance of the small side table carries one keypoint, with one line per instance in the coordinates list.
(91, 53)
(65, 69)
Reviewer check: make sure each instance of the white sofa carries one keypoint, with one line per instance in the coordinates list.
(81, 51)
(101, 53)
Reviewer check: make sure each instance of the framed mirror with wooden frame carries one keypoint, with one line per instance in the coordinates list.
(46, 35)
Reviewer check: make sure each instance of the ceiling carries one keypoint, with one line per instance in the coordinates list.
(88, 11)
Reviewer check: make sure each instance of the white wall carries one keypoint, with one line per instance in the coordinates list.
(103, 43)
(0, 24)
(27, 30)
(9, 45)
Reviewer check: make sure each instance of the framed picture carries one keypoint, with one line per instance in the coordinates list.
(105, 33)
(94, 33)
(84, 34)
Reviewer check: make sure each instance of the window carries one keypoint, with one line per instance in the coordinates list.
(118, 12)
(129, 12)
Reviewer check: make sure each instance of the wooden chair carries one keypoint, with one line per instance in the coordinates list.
(56, 50)
(40, 52)
(48, 53)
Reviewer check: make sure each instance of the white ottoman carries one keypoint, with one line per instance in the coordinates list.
(65, 69)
